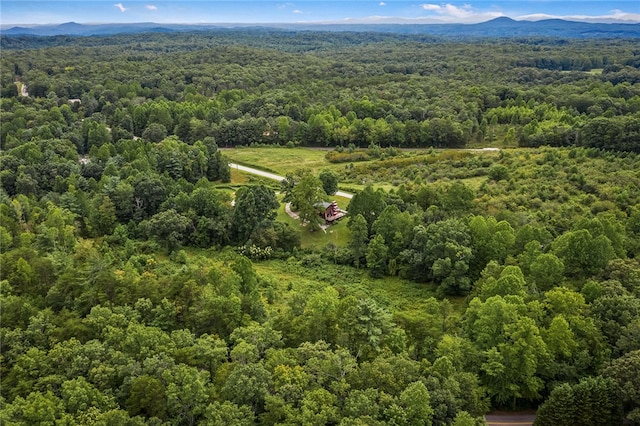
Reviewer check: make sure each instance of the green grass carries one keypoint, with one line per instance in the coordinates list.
(288, 160)
(238, 177)
(337, 234)
(356, 187)
(282, 160)
(474, 182)
(289, 278)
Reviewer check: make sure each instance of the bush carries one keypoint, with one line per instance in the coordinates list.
(312, 260)
(498, 173)
(256, 253)
(346, 157)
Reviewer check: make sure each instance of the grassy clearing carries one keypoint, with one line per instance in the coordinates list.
(288, 160)
(474, 182)
(356, 187)
(342, 201)
(238, 177)
(337, 234)
(290, 278)
(282, 160)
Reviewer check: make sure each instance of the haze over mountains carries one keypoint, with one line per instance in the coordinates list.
(499, 27)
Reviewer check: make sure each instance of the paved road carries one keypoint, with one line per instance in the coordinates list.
(510, 419)
(275, 177)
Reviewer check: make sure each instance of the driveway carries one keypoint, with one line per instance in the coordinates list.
(275, 177)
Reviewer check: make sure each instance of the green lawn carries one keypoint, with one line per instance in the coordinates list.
(282, 160)
(239, 177)
(337, 234)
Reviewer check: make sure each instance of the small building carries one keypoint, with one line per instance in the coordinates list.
(330, 212)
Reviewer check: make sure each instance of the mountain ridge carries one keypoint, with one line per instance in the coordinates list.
(497, 27)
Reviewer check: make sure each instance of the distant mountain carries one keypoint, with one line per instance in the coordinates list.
(75, 29)
(499, 27)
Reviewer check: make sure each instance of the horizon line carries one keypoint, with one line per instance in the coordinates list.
(371, 20)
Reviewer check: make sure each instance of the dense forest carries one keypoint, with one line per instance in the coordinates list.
(144, 281)
(325, 90)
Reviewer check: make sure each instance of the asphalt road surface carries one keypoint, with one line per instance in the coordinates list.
(510, 419)
(275, 177)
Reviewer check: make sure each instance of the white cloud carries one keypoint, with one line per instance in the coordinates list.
(615, 15)
(120, 7)
(448, 12)
(297, 12)
(625, 16)
(382, 3)
(151, 7)
(431, 7)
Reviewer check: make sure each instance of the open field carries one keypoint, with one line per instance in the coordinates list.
(394, 293)
(288, 160)
(282, 160)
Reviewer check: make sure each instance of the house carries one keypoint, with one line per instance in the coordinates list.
(330, 212)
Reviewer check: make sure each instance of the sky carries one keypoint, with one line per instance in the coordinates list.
(18, 12)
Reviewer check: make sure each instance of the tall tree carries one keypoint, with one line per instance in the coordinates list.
(625, 372)
(416, 400)
(359, 238)
(377, 257)
(369, 204)
(170, 227)
(329, 181)
(591, 402)
(306, 195)
(102, 217)
(395, 228)
(583, 254)
(254, 208)
(447, 251)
